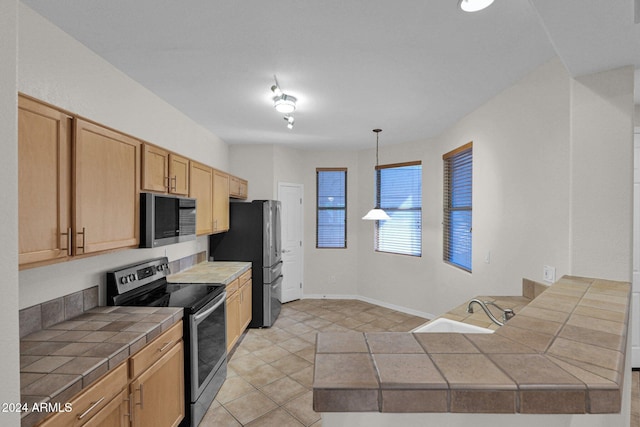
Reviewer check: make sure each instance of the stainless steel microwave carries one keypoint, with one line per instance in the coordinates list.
(166, 219)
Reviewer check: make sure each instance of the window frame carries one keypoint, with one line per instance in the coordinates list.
(378, 170)
(448, 164)
(318, 208)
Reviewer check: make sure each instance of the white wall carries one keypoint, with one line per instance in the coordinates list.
(520, 193)
(9, 356)
(254, 163)
(331, 272)
(57, 69)
(602, 174)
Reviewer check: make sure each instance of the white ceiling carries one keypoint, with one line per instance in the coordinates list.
(412, 68)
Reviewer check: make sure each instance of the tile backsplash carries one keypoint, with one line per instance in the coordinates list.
(42, 316)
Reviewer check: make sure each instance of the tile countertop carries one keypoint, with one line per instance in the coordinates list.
(223, 272)
(58, 362)
(564, 353)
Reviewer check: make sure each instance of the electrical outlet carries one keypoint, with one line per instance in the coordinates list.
(548, 274)
(487, 258)
(332, 279)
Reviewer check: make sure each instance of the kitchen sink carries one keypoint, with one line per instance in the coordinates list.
(447, 325)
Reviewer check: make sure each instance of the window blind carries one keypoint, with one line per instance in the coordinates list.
(399, 193)
(457, 216)
(331, 213)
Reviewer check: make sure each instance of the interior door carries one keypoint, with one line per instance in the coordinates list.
(290, 196)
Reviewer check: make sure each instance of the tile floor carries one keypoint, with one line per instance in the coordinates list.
(270, 373)
(271, 370)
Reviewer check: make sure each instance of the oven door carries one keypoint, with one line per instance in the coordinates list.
(208, 344)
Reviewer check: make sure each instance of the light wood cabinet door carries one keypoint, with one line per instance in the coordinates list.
(158, 393)
(238, 187)
(115, 414)
(220, 201)
(92, 401)
(44, 182)
(233, 319)
(107, 188)
(178, 175)
(155, 168)
(201, 189)
(245, 305)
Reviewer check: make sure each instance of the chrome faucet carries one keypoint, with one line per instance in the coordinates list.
(507, 313)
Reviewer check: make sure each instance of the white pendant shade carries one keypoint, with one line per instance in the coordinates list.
(376, 214)
(474, 5)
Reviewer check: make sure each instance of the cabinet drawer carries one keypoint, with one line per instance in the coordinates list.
(245, 276)
(153, 351)
(91, 400)
(232, 287)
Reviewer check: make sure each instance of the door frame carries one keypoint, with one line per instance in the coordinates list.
(301, 188)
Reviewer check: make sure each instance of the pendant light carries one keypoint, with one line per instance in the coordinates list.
(474, 5)
(376, 214)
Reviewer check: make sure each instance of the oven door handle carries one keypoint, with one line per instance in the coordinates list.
(204, 314)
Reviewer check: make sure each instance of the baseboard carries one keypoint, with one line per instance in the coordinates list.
(373, 301)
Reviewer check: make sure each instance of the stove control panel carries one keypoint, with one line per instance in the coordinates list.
(134, 276)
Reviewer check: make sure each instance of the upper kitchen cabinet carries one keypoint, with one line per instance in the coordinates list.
(107, 188)
(44, 183)
(220, 201)
(201, 189)
(238, 187)
(178, 175)
(163, 171)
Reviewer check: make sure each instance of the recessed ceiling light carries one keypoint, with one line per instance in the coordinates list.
(474, 5)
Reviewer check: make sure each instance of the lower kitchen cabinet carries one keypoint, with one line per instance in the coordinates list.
(158, 393)
(233, 318)
(102, 401)
(245, 305)
(146, 390)
(239, 295)
(114, 414)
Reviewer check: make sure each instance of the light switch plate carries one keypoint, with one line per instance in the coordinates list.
(549, 274)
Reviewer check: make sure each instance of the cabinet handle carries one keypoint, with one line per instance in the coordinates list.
(141, 389)
(84, 240)
(91, 408)
(161, 349)
(68, 234)
(130, 414)
(175, 183)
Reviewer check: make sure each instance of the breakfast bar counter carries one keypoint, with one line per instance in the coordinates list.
(563, 353)
(65, 358)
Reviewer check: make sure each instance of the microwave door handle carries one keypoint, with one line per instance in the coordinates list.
(204, 314)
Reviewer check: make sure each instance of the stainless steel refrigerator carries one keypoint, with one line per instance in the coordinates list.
(254, 235)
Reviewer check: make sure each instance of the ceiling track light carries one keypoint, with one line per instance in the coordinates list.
(474, 5)
(283, 103)
(290, 120)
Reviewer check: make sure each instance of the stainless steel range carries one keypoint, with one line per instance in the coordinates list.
(144, 284)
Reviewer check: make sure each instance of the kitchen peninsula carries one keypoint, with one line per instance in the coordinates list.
(564, 353)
